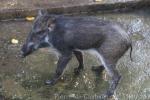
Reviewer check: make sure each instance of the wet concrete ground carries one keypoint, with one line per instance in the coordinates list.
(11, 9)
(24, 4)
(23, 79)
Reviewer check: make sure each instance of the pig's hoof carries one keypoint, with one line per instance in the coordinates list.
(109, 94)
(49, 82)
(98, 69)
(77, 71)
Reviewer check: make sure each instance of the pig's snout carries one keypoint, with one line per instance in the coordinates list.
(21, 55)
(26, 50)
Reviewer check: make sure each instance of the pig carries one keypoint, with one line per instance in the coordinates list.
(70, 35)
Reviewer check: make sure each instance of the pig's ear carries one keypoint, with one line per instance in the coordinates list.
(42, 12)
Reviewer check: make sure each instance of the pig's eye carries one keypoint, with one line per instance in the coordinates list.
(40, 32)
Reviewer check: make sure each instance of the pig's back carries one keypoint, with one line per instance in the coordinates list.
(84, 32)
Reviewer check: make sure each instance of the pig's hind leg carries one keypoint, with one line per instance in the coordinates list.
(109, 53)
(79, 57)
(110, 66)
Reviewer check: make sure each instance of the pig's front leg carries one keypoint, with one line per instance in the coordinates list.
(61, 65)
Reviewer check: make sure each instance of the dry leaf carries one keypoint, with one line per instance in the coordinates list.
(98, 0)
(14, 41)
(30, 18)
